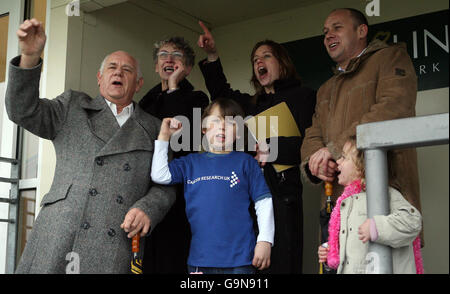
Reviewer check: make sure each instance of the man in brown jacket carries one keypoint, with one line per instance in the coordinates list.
(372, 82)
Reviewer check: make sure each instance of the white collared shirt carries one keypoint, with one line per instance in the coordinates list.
(342, 70)
(124, 115)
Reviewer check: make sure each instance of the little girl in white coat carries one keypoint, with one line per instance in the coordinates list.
(350, 229)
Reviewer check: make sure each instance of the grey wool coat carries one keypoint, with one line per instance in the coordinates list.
(102, 171)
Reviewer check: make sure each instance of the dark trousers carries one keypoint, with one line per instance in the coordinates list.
(286, 189)
(167, 248)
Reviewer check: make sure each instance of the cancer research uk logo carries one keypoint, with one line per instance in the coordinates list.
(234, 179)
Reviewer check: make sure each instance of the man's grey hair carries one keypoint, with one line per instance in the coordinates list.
(138, 67)
(179, 43)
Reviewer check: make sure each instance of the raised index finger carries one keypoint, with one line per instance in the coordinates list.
(205, 29)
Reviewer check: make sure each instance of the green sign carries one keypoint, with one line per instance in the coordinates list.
(426, 37)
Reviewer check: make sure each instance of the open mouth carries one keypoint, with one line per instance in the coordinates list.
(332, 45)
(168, 69)
(262, 70)
(117, 83)
(220, 137)
(262, 73)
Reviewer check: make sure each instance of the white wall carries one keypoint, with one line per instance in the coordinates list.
(433, 175)
(127, 28)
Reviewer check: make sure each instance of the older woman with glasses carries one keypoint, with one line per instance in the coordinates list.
(167, 248)
(275, 80)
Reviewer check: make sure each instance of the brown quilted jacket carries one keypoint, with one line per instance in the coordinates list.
(379, 85)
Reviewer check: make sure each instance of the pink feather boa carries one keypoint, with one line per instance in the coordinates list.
(418, 256)
(334, 227)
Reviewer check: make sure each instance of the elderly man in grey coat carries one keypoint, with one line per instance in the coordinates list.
(101, 195)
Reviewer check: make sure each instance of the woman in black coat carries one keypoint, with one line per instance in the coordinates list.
(275, 80)
(167, 248)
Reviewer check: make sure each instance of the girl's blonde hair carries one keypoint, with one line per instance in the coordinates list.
(358, 157)
(358, 160)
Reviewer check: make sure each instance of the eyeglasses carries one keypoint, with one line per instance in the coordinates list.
(164, 55)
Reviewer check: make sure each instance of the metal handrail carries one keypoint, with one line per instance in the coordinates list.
(9, 160)
(13, 201)
(375, 139)
(9, 180)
